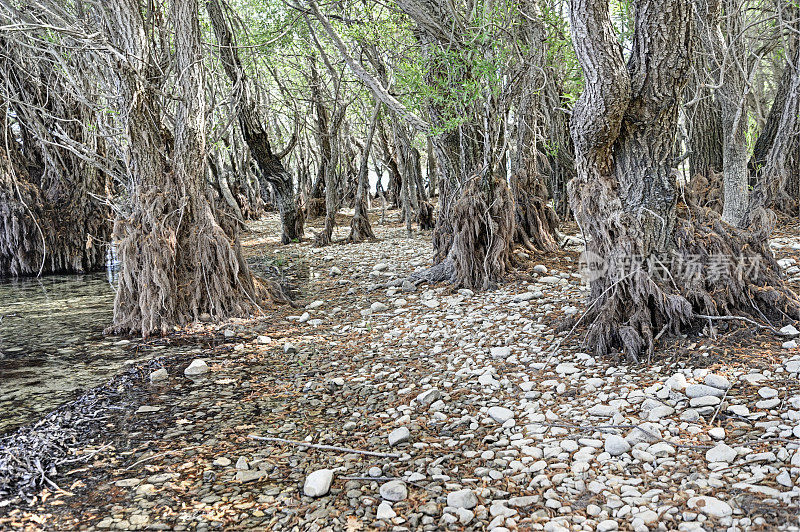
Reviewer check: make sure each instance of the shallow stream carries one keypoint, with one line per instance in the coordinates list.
(52, 345)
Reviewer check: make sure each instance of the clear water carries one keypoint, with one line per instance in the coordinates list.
(52, 345)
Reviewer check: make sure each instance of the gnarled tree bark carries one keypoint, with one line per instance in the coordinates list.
(273, 173)
(703, 124)
(776, 155)
(779, 176)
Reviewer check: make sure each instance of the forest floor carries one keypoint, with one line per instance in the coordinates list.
(481, 425)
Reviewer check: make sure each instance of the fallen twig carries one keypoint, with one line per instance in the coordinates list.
(719, 407)
(88, 455)
(742, 318)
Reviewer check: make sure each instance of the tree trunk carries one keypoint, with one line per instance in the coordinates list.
(546, 125)
(331, 204)
(316, 199)
(776, 155)
(453, 159)
(623, 197)
(273, 173)
(330, 154)
(326, 128)
(767, 136)
(403, 152)
(176, 261)
(623, 128)
(475, 228)
(729, 64)
(431, 170)
(561, 158)
(218, 171)
(424, 210)
(406, 179)
(360, 228)
(419, 184)
(645, 281)
(390, 161)
(51, 217)
(705, 128)
(705, 138)
(316, 204)
(782, 166)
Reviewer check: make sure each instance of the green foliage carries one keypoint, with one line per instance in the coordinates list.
(560, 53)
(457, 80)
(622, 16)
(449, 83)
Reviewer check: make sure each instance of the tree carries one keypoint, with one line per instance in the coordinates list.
(177, 262)
(703, 121)
(55, 187)
(469, 102)
(272, 171)
(780, 173)
(720, 26)
(625, 200)
(329, 129)
(360, 228)
(776, 155)
(542, 147)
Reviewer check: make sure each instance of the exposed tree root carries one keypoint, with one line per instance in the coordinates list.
(657, 268)
(316, 207)
(164, 283)
(438, 273)
(360, 228)
(536, 220)
(536, 223)
(713, 269)
(786, 201)
(58, 230)
(324, 237)
(482, 224)
(706, 191)
(264, 289)
(53, 217)
(483, 220)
